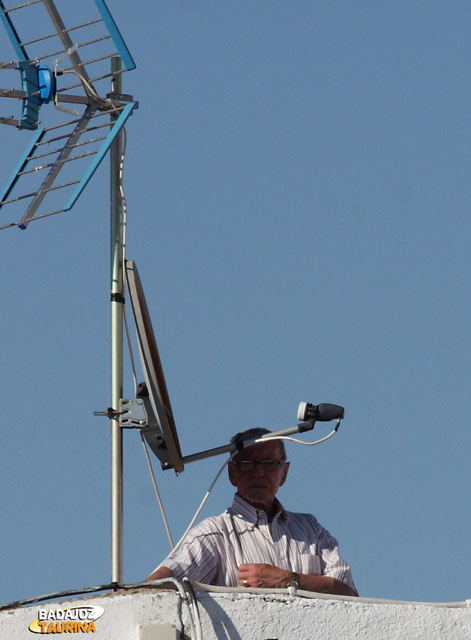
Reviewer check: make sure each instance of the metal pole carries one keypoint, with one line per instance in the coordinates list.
(117, 301)
(231, 447)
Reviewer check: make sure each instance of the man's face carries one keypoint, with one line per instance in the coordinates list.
(259, 486)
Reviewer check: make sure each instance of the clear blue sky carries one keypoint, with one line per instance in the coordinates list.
(297, 182)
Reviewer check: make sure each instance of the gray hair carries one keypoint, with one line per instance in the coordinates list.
(256, 432)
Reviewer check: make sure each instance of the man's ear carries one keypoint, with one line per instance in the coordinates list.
(284, 474)
(231, 471)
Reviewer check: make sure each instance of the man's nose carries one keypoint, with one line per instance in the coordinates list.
(257, 471)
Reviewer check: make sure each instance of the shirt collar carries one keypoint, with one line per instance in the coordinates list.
(244, 509)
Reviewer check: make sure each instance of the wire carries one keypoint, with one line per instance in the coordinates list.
(157, 493)
(296, 440)
(60, 594)
(121, 192)
(187, 596)
(466, 604)
(131, 354)
(89, 90)
(203, 502)
(188, 586)
(124, 241)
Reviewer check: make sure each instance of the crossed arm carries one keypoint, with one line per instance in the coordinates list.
(269, 576)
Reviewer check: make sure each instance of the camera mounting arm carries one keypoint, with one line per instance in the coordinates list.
(308, 414)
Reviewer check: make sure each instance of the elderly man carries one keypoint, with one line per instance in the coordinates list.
(256, 542)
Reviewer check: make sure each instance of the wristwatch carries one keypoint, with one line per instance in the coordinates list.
(294, 580)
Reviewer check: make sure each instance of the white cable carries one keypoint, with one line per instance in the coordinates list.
(59, 107)
(131, 353)
(307, 444)
(121, 191)
(157, 493)
(184, 597)
(203, 502)
(124, 240)
(194, 606)
(89, 90)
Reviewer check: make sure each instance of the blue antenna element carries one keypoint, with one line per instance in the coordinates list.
(12, 34)
(47, 83)
(38, 85)
(120, 122)
(54, 72)
(32, 100)
(123, 51)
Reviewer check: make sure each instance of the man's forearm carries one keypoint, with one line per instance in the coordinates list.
(267, 576)
(160, 574)
(325, 584)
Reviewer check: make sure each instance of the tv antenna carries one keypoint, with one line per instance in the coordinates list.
(66, 60)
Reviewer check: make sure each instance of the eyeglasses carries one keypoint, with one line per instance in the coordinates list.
(249, 465)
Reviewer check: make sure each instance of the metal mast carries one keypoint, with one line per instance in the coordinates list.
(117, 302)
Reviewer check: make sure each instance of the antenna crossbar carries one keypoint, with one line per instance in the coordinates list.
(86, 154)
(12, 93)
(21, 95)
(40, 217)
(89, 42)
(95, 115)
(69, 29)
(108, 56)
(12, 121)
(94, 128)
(22, 6)
(74, 146)
(59, 52)
(42, 191)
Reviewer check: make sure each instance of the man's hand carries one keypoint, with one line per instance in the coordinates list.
(267, 576)
(263, 575)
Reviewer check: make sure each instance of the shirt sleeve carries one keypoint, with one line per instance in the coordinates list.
(331, 562)
(197, 558)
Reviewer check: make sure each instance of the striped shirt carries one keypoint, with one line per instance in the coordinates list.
(213, 550)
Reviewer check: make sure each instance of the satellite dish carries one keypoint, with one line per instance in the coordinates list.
(161, 434)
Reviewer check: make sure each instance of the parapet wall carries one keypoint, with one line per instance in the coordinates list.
(149, 614)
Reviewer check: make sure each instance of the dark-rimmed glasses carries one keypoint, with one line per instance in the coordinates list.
(249, 465)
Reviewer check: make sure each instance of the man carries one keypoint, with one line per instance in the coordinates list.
(256, 543)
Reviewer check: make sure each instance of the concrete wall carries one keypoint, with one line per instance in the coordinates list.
(148, 614)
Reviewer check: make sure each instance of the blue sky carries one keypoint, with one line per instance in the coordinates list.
(298, 197)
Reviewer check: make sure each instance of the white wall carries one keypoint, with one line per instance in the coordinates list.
(147, 614)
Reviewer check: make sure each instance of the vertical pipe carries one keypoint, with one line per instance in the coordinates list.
(117, 301)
